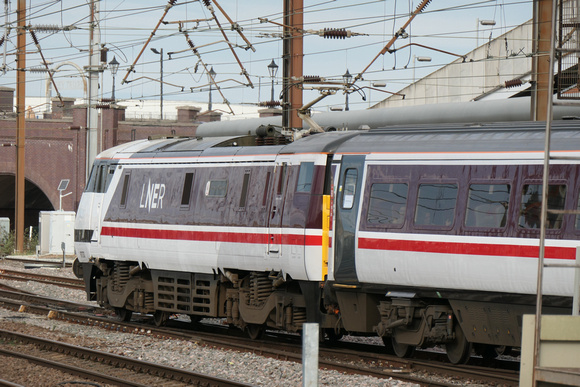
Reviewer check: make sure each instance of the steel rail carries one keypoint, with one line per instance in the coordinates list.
(157, 370)
(73, 283)
(394, 367)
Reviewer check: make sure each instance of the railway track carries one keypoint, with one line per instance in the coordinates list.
(102, 367)
(55, 262)
(14, 275)
(354, 359)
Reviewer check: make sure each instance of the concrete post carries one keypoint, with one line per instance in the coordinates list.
(310, 354)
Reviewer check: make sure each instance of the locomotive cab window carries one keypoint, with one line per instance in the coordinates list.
(349, 189)
(487, 205)
(436, 205)
(100, 177)
(387, 204)
(531, 206)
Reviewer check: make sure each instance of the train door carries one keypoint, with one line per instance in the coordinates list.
(103, 175)
(277, 202)
(347, 201)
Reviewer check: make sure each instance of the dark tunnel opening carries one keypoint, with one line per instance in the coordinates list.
(34, 201)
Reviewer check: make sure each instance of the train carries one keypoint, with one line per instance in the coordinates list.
(422, 235)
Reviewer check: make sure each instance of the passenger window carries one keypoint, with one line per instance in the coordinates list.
(487, 205)
(436, 205)
(349, 189)
(186, 194)
(305, 177)
(216, 188)
(266, 188)
(281, 180)
(245, 187)
(578, 216)
(387, 204)
(531, 206)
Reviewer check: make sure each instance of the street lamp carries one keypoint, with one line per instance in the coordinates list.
(160, 53)
(113, 66)
(483, 23)
(347, 77)
(273, 70)
(211, 75)
(419, 59)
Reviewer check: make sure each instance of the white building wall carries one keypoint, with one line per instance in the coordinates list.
(485, 70)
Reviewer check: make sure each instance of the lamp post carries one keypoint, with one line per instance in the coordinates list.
(160, 53)
(273, 70)
(113, 66)
(211, 75)
(483, 23)
(346, 77)
(419, 59)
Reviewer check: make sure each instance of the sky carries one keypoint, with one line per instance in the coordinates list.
(125, 26)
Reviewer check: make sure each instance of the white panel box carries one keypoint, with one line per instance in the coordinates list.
(54, 229)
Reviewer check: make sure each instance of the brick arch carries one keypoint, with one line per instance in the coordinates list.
(48, 187)
(35, 178)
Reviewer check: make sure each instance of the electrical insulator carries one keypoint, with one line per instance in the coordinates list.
(38, 70)
(172, 2)
(103, 106)
(311, 79)
(33, 36)
(207, 2)
(513, 83)
(335, 33)
(421, 7)
(46, 28)
(269, 103)
(1, 41)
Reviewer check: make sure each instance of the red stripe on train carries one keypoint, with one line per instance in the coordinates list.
(210, 236)
(466, 248)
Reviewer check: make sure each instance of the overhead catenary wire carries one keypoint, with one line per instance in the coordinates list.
(132, 35)
(169, 5)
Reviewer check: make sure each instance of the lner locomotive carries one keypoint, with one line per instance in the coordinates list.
(423, 235)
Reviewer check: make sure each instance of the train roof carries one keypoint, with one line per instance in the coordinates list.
(464, 138)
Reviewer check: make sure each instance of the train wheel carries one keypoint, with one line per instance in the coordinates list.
(459, 350)
(255, 331)
(123, 314)
(160, 318)
(401, 350)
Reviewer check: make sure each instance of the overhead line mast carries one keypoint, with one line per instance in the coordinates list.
(292, 63)
(20, 124)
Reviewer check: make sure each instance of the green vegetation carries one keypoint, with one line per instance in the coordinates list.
(8, 243)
